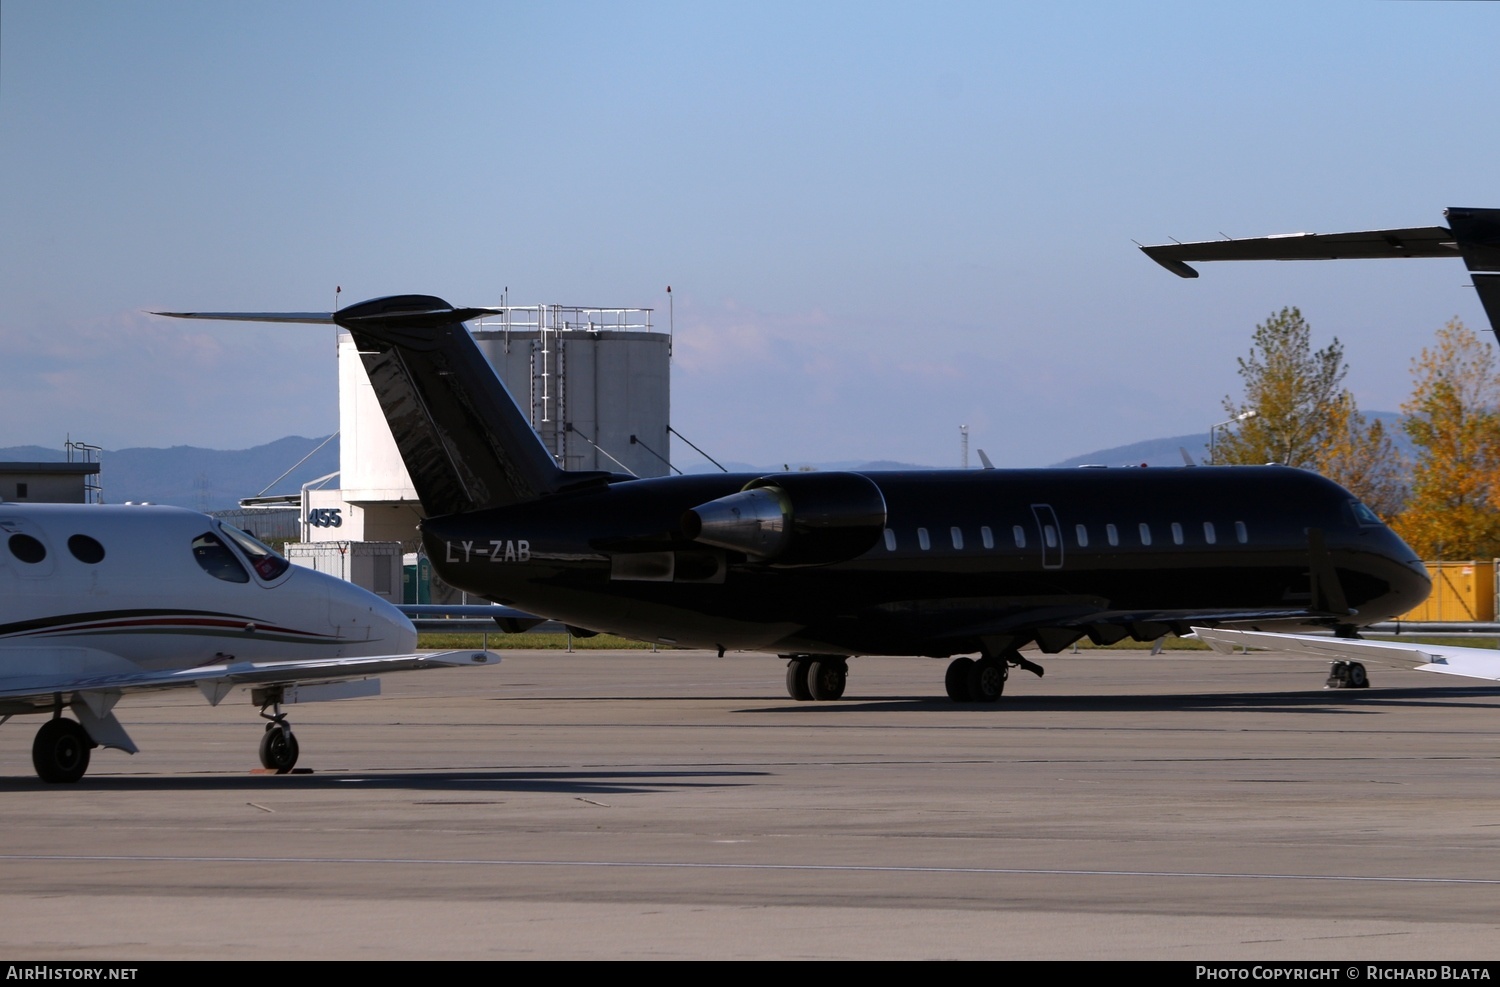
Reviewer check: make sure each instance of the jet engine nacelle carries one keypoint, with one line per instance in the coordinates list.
(794, 518)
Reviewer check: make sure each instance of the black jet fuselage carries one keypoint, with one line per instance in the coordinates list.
(957, 562)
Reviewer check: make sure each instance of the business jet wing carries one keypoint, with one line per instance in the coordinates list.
(85, 672)
(1478, 663)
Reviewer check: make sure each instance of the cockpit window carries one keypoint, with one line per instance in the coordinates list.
(217, 560)
(1364, 515)
(268, 565)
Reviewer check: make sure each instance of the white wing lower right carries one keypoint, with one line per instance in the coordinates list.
(1478, 663)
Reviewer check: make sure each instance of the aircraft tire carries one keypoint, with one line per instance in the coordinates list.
(279, 748)
(987, 680)
(60, 752)
(956, 680)
(826, 678)
(796, 680)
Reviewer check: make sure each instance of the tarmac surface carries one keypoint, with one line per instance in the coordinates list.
(633, 805)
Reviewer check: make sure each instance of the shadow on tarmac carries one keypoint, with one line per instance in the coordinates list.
(569, 782)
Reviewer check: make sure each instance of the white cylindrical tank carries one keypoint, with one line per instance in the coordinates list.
(588, 392)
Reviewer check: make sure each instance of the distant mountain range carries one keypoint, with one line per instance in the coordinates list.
(212, 479)
(202, 479)
(1168, 452)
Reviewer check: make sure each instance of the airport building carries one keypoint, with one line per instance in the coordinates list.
(48, 483)
(73, 482)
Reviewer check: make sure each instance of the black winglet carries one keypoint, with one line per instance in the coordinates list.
(1177, 267)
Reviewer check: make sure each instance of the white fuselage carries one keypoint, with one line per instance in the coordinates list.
(105, 590)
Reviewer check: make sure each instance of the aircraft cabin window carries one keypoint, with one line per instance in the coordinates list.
(1240, 534)
(215, 558)
(1020, 536)
(1112, 533)
(1208, 532)
(86, 549)
(27, 549)
(958, 537)
(1083, 535)
(1145, 530)
(987, 537)
(1050, 534)
(1176, 533)
(923, 542)
(890, 540)
(268, 565)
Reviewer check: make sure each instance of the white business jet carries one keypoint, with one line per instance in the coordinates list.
(99, 601)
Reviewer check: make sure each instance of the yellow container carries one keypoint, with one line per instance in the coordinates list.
(1461, 592)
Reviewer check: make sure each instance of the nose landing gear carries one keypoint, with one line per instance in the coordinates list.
(278, 746)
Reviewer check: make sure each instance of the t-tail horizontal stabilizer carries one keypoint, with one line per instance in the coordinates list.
(464, 441)
(1473, 234)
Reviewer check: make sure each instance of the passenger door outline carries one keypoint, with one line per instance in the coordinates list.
(1046, 524)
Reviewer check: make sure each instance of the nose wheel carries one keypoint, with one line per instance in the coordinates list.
(278, 746)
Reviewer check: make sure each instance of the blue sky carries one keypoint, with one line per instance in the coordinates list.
(880, 221)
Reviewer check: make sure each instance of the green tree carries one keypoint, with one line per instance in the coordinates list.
(1453, 418)
(1293, 391)
(1305, 417)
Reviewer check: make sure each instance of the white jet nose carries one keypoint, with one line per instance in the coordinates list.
(368, 624)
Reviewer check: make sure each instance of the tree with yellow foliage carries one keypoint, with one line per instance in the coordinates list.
(1453, 418)
(1305, 417)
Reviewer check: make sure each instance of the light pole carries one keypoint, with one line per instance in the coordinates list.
(1213, 458)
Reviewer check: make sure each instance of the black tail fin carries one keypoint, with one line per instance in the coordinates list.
(1478, 234)
(465, 443)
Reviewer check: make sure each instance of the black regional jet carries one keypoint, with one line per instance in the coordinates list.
(823, 566)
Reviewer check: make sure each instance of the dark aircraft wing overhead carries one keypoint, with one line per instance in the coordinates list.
(1424, 241)
(1474, 235)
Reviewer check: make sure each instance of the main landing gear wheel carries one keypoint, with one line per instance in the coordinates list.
(60, 752)
(826, 678)
(796, 680)
(1347, 675)
(956, 681)
(987, 680)
(279, 748)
